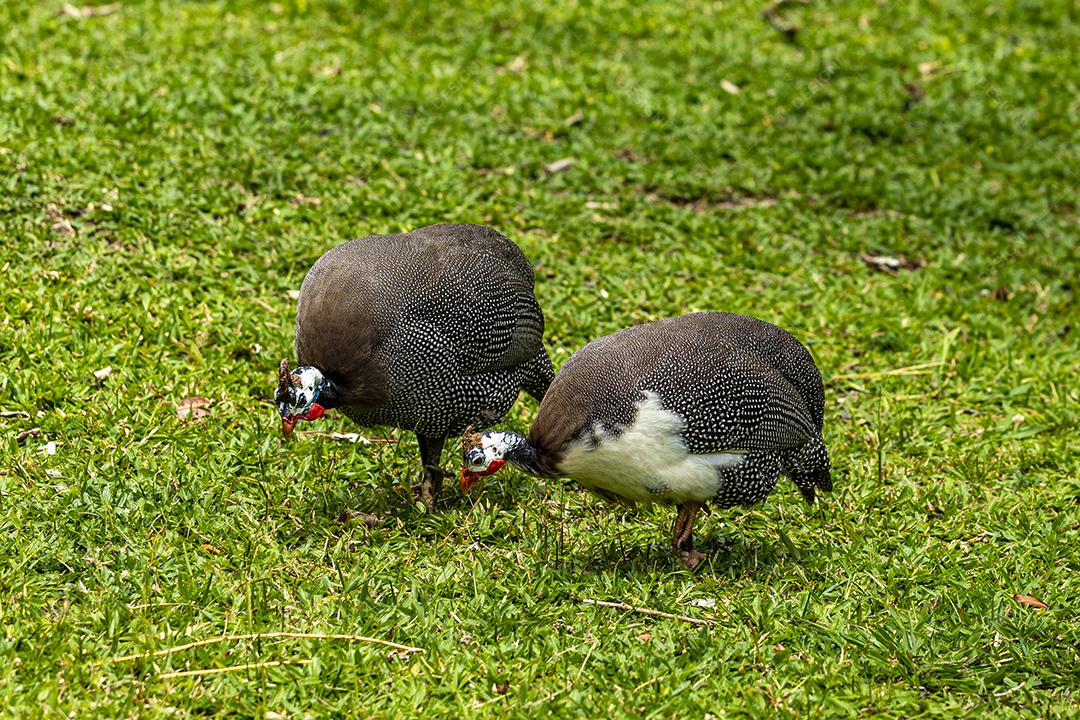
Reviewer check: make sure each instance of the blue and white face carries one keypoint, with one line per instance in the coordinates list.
(297, 399)
(484, 456)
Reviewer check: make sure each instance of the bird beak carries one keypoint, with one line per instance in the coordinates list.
(466, 479)
(287, 425)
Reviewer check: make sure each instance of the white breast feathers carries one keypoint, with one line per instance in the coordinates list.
(648, 461)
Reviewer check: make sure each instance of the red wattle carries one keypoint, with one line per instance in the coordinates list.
(316, 411)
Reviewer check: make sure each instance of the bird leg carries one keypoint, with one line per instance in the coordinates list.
(431, 459)
(683, 542)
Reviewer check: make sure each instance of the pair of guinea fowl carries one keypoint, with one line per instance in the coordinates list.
(438, 330)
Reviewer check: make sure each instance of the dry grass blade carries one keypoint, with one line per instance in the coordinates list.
(232, 668)
(647, 611)
(920, 369)
(265, 636)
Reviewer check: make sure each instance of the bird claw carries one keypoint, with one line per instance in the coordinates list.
(691, 558)
(423, 493)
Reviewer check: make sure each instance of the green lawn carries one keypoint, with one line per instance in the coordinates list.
(171, 169)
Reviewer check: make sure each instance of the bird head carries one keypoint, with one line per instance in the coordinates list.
(484, 454)
(297, 393)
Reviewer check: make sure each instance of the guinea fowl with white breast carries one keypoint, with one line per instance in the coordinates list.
(430, 331)
(707, 407)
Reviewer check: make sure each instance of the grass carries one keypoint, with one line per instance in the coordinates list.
(171, 169)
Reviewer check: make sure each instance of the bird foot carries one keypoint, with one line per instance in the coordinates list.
(348, 514)
(691, 558)
(423, 493)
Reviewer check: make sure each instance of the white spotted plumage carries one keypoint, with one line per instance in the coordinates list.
(430, 331)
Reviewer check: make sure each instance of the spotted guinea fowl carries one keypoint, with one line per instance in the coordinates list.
(703, 407)
(430, 331)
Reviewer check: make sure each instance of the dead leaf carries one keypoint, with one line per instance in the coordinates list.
(62, 121)
(574, 119)
(368, 519)
(926, 69)
(14, 413)
(103, 373)
(518, 65)
(60, 224)
(889, 264)
(500, 688)
(50, 448)
(730, 87)
(32, 432)
(293, 294)
(559, 165)
(645, 637)
(193, 408)
(703, 602)
(207, 547)
(1031, 602)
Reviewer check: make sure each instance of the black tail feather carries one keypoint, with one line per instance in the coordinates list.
(810, 469)
(811, 481)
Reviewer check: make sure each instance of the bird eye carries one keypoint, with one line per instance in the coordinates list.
(476, 458)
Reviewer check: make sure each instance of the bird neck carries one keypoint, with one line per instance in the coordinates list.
(329, 394)
(526, 458)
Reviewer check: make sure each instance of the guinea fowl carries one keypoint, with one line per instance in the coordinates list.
(703, 407)
(431, 331)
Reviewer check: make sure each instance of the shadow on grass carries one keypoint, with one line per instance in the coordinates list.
(724, 556)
